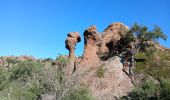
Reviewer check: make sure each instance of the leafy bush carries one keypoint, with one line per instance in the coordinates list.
(79, 94)
(151, 91)
(21, 82)
(144, 92)
(157, 65)
(62, 60)
(24, 70)
(29, 91)
(50, 80)
(12, 60)
(4, 78)
(165, 89)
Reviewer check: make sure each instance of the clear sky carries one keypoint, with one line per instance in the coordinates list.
(39, 27)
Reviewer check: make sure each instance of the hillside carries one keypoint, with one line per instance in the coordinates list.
(97, 75)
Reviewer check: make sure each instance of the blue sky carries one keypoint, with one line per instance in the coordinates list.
(39, 27)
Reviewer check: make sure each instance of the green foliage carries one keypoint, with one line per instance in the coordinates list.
(165, 89)
(141, 55)
(142, 38)
(156, 65)
(151, 91)
(20, 82)
(145, 92)
(143, 34)
(18, 91)
(50, 80)
(62, 60)
(48, 59)
(100, 72)
(4, 78)
(12, 60)
(24, 70)
(79, 94)
(27, 80)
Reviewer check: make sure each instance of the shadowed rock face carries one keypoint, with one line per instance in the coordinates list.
(72, 39)
(111, 37)
(92, 39)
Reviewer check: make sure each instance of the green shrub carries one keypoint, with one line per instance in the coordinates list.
(62, 60)
(21, 82)
(165, 89)
(79, 94)
(50, 80)
(144, 92)
(157, 65)
(100, 72)
(18, 91)
(24, 70)
(12, 60)
(4, 78)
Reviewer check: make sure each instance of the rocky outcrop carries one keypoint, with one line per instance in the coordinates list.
(111, 38)
(97, 45)
(92, 39)
(115, 83)
(72, 39)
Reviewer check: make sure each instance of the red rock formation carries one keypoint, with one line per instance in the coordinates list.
(115, 83)
(92, 39)
(111, 37)
(71, 41)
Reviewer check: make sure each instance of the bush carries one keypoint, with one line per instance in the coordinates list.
(50, 80)
(156, 65)
(62, 60)
(18, 91)
(79, 94)
(21, 82)
(144, 92)
(12, 60)
(24, 70)
(4, 78)
(165, 89)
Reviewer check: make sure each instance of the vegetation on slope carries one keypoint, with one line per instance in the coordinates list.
(29, 80)
(152, 61)
(157, 67)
